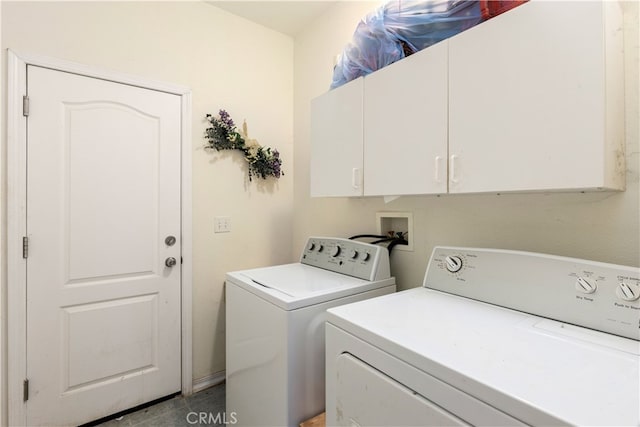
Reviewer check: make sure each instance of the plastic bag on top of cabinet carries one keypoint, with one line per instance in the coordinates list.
(399, 28)
(372, 47)
(424, 23)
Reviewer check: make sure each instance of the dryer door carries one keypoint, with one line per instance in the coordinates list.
(367, 397)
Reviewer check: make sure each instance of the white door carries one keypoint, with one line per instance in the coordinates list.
(406, 126)
(336, 141)
(527, 100)
(103, 193)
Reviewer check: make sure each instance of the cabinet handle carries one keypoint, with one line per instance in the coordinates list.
(355, 178)
(437, 169)
(452, 167)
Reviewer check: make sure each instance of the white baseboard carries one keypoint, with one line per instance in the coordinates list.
(208, 381)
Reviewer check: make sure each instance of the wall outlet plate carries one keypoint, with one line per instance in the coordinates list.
(396, 222)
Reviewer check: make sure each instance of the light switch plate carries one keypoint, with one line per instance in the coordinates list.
(222, 224)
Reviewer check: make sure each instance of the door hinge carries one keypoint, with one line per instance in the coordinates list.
(25, 247)
(25, 105)
(25, 390)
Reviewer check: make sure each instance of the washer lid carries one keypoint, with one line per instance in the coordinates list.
(537, 370)
(298, 285)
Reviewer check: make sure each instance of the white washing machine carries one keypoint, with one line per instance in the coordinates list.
(275, 335)
(493, 338)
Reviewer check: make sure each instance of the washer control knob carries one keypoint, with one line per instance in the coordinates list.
(353, 254)
(586, 285)
(335, 251)
(628, 291)
(453, 264)
(320, 248)
(366, 256)
(311, 246)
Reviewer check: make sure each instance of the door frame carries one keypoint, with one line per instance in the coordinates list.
(16, 315)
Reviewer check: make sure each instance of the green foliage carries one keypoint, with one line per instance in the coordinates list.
(222, 135)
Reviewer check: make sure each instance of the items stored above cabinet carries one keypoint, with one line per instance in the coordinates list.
(531, 100)
(397, 29)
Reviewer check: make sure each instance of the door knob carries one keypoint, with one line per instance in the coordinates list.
(170, 262)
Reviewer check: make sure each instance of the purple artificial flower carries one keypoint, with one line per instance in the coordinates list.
(226, 119)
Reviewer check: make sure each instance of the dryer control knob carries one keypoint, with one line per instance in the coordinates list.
(353, 254)
(366, 256)
(628, 291)
(586, 285)
(453, 264)
(335, 251)
(311, 246)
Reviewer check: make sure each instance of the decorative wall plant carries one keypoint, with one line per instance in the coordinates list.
(263, 162)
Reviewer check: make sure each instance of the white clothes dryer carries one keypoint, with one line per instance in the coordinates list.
(493, 338)
(275, 317)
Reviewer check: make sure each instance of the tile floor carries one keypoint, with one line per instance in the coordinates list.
(205, 408)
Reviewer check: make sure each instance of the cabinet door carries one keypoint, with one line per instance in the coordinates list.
(405, 134)
(336, 141)
(528, 101)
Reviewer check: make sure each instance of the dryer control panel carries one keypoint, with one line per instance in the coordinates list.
(350, 257)
(596, 295)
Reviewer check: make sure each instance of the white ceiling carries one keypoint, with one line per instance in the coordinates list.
(288, 17)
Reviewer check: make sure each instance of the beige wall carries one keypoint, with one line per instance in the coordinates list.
(598, 226)
(233, 64)
(228, 63)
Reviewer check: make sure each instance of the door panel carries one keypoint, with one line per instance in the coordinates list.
(82, 340)
(95, 205)
(336, 141)
(527, 111)
(103, 191)
(368, 397)
(405, 149)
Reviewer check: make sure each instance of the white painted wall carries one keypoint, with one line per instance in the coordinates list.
(227, 62)
(602, 226)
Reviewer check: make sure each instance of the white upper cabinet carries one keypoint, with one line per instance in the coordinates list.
(405, 133)
(535, 100)
(531, 100)
(336, 141)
